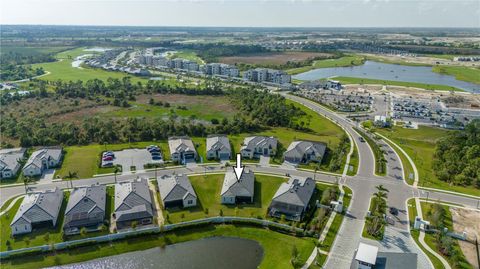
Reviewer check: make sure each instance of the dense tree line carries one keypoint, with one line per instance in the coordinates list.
(212, 51)
(265, 108)
(12, 72)
(457, 156)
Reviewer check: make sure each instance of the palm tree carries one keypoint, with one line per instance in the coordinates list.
(71, 175)
(381, 188)
(115, 172)
(26, 181)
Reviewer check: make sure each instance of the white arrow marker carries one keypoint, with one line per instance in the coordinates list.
(239, 169)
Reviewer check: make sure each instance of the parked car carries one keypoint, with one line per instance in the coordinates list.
(393, 211)
(155, 153)
(156, 157)
(361, 139)
(107, 164)
(151, 150)
(108, 153)
(107, 158)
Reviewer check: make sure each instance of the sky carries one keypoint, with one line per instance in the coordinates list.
(245, 13)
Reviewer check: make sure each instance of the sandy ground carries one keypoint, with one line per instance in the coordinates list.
(469, 221)
(421, 60)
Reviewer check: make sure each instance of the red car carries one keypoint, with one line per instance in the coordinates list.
(107, 158)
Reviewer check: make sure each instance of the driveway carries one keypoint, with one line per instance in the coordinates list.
(264, 161)
(133, 157)
(47, 176)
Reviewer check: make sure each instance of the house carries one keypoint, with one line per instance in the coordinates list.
(176, 191)
(238, 191)
(304, 152)
(10, 161)
(254, 146)
(368, 256)
(38, 209)
(133, 203)
(182, 149)
(292, 198)
(42, 159)
(218, 147)
(85, 208)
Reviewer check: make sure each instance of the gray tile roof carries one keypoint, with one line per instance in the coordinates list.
(253, 142)
(175, 187)
(44, 154)
(132, 200)
(297, 191)
(218, 142)
(9, 158)
(243, 187)
(40, 206)
(299, 148)
(85, 200)
(180, 144)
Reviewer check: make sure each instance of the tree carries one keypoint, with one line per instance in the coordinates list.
(83, 231)
(115, 172)
(70, 176)
(26, 181)
(134, 225)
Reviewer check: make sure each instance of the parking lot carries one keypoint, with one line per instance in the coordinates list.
(132, 157)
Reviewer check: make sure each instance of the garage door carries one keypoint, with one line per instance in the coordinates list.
(224, 156)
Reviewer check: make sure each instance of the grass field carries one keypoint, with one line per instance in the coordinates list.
(187, 55)
(430, 237)
(197, 107)
(340, 62)
(412, 213)
(274, 256)
(63, 70)
(351, 80)
(337, 221)
(30, 51)
(419, 144)
(273, 58)
(208, 190)
(353, 162)
(469, 74)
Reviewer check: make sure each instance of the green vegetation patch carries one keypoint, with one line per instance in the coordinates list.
(352, 80)
(340, 62)
(469, 74)
(420, 145)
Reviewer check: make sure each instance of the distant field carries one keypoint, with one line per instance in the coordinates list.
(188, 55)
(420, 146)
(63, 70)
(198, 107)
(29, 51)
(351, 80)
(469, 74)
(340, 62)
(273, 58)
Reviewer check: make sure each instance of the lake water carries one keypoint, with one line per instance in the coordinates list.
(375, 70)
(215, 252)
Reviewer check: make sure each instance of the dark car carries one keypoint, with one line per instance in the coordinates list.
(361, 139)
(393, 211)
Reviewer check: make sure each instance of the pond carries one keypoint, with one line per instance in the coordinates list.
(214, 252)
(382, 71)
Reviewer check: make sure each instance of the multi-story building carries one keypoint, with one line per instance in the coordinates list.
(267, 75)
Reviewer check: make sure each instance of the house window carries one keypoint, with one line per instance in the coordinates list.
(190, 202)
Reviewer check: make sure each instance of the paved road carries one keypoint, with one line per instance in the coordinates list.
(397, 237)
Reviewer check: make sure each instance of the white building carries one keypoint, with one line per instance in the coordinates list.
(42, 159)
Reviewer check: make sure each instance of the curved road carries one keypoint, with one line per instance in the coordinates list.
(397, 237)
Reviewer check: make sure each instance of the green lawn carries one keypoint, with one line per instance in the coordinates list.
(469, 74)
(187, 55)
(274, 256)
(337, 221)
(353, 162)
(35, 238)
(430, 237)
(412, 213)
(352, 80)
(63, 70)
(419, 144)
(379, 237)
(340, 62)
(208, 190)
(85, 160)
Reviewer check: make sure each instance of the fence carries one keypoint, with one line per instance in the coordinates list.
(149, 230)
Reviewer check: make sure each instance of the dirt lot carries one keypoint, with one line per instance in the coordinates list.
(467, 220)
(274, 57)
